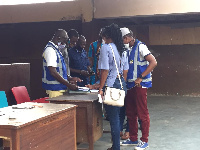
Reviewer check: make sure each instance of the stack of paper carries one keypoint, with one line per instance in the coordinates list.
(81, 90)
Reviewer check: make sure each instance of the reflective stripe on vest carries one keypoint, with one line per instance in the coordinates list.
(139, 67)
(48, 80)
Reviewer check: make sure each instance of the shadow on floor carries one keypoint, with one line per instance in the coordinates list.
(175, 124)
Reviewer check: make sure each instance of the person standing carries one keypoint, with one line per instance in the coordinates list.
(139, 79)
(125, 135)
(79, 62)
(109, 76)
(73, 38)
(93, 55)
(54, 79)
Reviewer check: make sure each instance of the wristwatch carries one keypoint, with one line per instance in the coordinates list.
(141, 77)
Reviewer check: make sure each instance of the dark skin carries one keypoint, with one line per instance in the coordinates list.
(73, 41)
(62, 37)
(81, 45)
(60, 79)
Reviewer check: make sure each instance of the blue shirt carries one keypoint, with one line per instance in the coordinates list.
(78, 60)
(106, 62)
(124, 62)
(93, 53)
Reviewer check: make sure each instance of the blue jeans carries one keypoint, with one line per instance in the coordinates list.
(123, 114)
(122, 118)
(113, 115)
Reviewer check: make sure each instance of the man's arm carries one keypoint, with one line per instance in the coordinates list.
(152, 64)
(81, 72)
(60, 79)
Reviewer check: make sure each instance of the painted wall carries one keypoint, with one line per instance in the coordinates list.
(174, 35)
(86, 10)
(70, 10)
(178, 70)
(118, 8)
(53, 11)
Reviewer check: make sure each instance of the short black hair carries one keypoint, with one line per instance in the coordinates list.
(72, 33)
(81, 38)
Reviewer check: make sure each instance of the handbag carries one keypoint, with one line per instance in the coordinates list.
(113, 96)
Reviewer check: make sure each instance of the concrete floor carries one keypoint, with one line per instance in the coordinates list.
(175, 124)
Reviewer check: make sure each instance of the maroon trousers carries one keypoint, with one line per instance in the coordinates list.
(136, 107)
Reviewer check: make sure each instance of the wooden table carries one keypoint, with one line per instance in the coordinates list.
(46, 126)
(89, 122)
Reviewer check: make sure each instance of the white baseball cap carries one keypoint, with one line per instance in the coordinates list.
(125, 31)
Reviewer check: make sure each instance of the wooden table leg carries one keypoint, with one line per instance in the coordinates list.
(14, 141)
(90, 126)
(1, 143)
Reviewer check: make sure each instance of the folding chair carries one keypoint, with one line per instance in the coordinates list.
(3, 99)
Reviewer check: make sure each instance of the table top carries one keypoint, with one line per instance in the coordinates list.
(17, 116)
(88, 97)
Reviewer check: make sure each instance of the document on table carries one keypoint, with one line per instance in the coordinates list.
(100, 98)
(94, 91)
(80, 90)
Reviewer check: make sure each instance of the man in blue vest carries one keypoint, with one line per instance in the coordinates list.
(139, 79)
(55, 79)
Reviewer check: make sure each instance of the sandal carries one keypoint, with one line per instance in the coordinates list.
(125, 136)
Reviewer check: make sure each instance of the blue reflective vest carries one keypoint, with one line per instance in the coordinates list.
(48, 81)
(137, 67)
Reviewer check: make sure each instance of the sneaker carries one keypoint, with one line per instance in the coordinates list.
(141, 146)
(129, 142)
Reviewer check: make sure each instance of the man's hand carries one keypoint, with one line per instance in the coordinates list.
(90, 86)
(85, 73)
(137, 82)
(94, 86)
(73, 87)
(74, 80)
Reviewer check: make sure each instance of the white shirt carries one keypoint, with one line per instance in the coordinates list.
(50, 56)
(144, 51)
